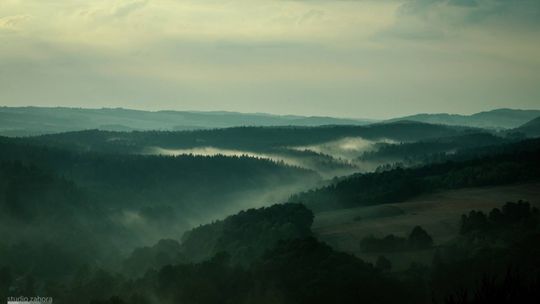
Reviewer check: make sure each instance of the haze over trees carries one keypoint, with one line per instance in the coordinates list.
(93, 217)
(505, 164)
(494, 119)
(270, 152)
(24, 121)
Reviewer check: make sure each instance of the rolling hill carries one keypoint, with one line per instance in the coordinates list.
(492, 165)
(494, 119)
(27, 121)
(438, 212)
(24, 121)
(531, 128)
(247, 138)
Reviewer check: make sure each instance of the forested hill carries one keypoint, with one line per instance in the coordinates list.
(493, 165)
(431, 149)
(167, 194)
(531, 128)
(247, 235)
(49, 226)
(250, 138)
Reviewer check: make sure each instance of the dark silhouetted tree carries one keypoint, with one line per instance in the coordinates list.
(420, 239)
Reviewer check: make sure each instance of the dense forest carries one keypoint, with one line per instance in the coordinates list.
(296, 268)
(246, 235)
(72, 208)
(504, 164)
(187, 182)
(248, 138)
(86, 217)
(334, 150)
(418, 152)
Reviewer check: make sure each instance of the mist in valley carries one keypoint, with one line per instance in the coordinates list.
(171, 221)
(270, 152)
(348, 148)
(329, 159)
(166, 212)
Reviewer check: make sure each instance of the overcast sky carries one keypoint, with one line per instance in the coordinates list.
(372, 59)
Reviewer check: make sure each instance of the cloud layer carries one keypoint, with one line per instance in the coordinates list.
(347, 58)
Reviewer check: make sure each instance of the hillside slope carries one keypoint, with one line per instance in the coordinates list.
(438, 213)
(249, 138)
(495, 119)
(504, 164)
(157, 195)
(531, 128)
(23, 121)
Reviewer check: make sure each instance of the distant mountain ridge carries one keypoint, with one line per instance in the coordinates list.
(29, 121)
(24, 121)
(494, 119)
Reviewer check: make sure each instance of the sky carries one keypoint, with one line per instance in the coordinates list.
(345, 58)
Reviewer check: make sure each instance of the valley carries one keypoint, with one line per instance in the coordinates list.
(395, 204)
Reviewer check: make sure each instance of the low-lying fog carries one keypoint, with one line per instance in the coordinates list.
(342, 153)
(329, 159)
(348, 148)
(213, 151)
(172, 220)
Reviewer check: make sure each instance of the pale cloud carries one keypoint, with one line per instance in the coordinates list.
(115, 11)
(349, 58)
(12, 22)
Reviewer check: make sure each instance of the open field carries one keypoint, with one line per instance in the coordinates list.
(438, 213)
